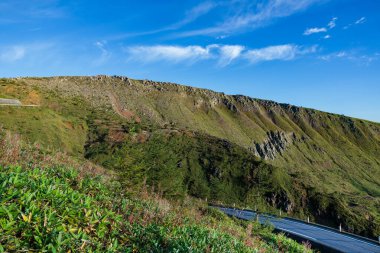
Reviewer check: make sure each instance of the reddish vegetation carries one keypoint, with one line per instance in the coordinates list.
(33, 98)
(69, 125)
(129, 115)
(116, 135)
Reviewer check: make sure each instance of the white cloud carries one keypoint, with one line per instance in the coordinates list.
(169, 53)
(353, 56)
(251, 18)
(336, 55)
(12, 53)
(280, 52)
(221, 37)
(314, 30)
(196, 12)
(341, 54)
(327, 37)
(332, 23)
(224, 54)
(28, 54)
(329, 26)
(228, 53)
(190, 16)
(18, 11)
(105, 54)
(360, 21)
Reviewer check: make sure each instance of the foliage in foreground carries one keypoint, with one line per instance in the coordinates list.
(56, 210)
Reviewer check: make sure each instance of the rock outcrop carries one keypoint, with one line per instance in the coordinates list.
(276, 143)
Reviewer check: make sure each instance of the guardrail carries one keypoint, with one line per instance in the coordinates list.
(302, 221)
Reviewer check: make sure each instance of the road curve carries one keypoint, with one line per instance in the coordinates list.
(328, 238)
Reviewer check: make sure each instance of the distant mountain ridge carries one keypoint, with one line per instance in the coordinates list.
(330, 163)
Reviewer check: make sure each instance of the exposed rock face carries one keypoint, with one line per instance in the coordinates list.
(275, 144)
(280, 200)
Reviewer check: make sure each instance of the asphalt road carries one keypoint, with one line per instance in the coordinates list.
(329, 238)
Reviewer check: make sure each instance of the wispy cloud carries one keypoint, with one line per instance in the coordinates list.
(19, 12)
(328, 57)
(224, 54)
(14, 12)
(328, 36)
(253, 17)
(194, 13)
(12, 53)
(332, 23)
(26, 53)
(105, 54)
(360, 21)
(168, 53)
(190, 16)
(352, 55)
(228, 53)
(280, 52)
(329, 26)
(315, 30)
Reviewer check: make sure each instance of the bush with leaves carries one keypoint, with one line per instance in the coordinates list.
(56, 210)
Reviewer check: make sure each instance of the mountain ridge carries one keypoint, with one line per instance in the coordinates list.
(190, 87)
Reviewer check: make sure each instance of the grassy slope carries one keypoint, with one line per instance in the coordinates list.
(58, 209)
(177, 163)
(335, 146)
(337, 157)
(98, 217)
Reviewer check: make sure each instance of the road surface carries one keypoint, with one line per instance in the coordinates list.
(325, 237)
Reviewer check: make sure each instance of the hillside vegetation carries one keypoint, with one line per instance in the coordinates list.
(55, 208)
(187, 141)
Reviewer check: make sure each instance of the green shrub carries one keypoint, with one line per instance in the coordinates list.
(56, 210)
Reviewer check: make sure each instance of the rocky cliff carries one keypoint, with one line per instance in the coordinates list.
(275, 144)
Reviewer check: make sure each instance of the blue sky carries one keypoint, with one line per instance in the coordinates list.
(320, 54)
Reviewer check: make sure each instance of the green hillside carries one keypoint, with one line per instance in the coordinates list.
(234, 149)
(52, 202)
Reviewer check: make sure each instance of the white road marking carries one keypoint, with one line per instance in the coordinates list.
(246, 213)
(335, 232)
(299, 234)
